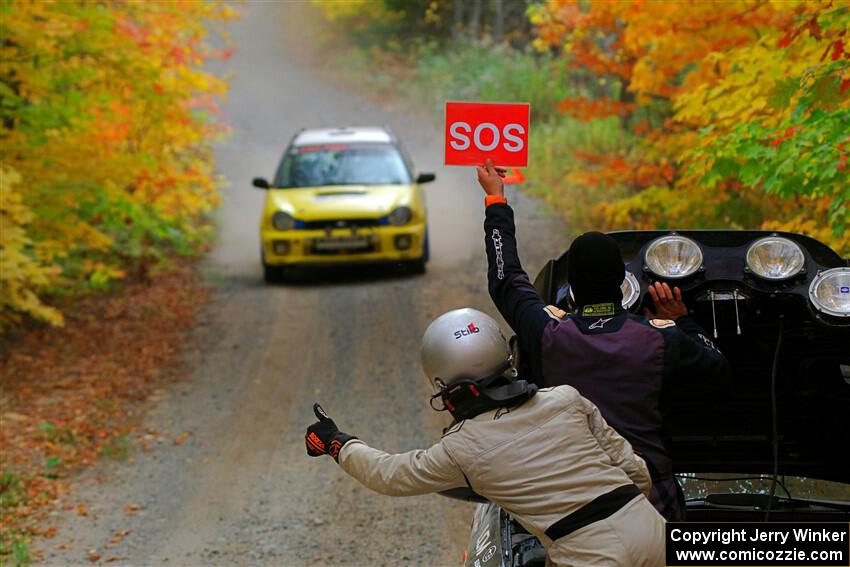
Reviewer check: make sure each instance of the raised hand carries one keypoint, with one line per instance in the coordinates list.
(491, 178)
(668, 302)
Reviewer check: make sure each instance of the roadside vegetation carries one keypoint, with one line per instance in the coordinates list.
(107, 117)
(700, 115)
(106, 122)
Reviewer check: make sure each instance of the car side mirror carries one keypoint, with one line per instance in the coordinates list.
(260, 182)
(426, 178)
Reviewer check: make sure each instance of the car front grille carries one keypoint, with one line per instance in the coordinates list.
(338, 223)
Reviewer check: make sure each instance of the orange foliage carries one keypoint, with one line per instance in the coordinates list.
(584, 109)
(680, 76)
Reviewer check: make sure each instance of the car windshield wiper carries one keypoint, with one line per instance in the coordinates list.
(759, 502)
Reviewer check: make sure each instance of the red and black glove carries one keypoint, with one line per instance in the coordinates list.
(324, 437)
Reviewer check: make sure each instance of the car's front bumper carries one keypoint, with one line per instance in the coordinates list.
(343, 245)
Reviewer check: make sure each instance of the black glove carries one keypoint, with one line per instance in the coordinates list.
(324, 437)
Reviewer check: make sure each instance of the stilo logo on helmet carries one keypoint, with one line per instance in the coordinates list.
(469, 330)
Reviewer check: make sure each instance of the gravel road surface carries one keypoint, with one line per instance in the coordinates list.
(239, 489)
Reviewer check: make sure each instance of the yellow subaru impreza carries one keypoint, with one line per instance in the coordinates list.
(343, 196)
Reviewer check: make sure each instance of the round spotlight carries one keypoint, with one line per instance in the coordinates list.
(673, 257)
(403, 241)
(830, 292)
(631, 290)
(775, 258)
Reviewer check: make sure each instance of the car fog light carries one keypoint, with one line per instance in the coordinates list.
(775, 258)
(283, 221)
(403, 241)
(400, 216)
(280, 247)
(630, 289)
(830, 292)
(673, 257)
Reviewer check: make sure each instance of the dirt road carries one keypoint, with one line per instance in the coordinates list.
(240, 489)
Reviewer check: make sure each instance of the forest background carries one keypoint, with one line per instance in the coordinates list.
(696, 114)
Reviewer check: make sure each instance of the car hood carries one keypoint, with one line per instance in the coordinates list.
(341, 201)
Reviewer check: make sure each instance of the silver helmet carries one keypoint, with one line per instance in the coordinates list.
(464, 343)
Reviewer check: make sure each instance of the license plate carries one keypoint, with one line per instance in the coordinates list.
(341, 243)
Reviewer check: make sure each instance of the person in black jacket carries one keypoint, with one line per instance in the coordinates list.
(619, 361)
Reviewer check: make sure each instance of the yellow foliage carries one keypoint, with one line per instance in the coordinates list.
(108, 115)
(21, 274)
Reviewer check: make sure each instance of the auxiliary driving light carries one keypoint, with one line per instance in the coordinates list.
(830, 292)
(631, 290)
(283, 221)
(775, 258)
(673, 257)
(403, 241)
(280, 247)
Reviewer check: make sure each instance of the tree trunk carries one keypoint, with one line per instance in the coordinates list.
(498, 21)
(457, 22)
(475, 20)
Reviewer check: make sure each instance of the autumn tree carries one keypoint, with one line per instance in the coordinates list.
(107, 119)
(733, 113)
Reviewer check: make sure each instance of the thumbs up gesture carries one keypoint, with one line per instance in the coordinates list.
(324, 437)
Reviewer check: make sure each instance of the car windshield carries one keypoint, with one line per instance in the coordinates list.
(342, 164)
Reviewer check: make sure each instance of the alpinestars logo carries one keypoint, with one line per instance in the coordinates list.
(496, 236)
(469, 330)
(599, 323)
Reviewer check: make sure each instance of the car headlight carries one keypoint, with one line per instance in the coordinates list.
(673, 257)
(631, 290)
(830, 292)
(775, 258)
(283, 221)
(400, 216)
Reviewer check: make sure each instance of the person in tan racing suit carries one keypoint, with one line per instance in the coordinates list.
(546, 456)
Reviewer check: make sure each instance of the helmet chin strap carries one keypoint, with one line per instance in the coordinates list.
(465, 398)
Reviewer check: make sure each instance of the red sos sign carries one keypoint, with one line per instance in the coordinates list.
(476, 131)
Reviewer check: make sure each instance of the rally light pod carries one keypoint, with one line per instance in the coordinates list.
(775, 258)
(673, 257)
(631, 290)
(829, 292)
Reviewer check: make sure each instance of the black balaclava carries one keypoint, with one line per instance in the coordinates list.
(595, 269)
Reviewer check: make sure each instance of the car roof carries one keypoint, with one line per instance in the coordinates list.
(345, 135)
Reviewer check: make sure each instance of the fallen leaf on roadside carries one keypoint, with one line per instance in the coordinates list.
(131, 509)
(118, 537)
(182, 438)
(82, 510)
(93, 557)
(113, 559)
(65, 546)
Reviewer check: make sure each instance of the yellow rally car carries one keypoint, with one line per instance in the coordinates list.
(343, 196)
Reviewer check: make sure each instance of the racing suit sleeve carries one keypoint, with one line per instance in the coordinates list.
(510, 287)
(695, 355)
(405, 474)
(617, 448)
